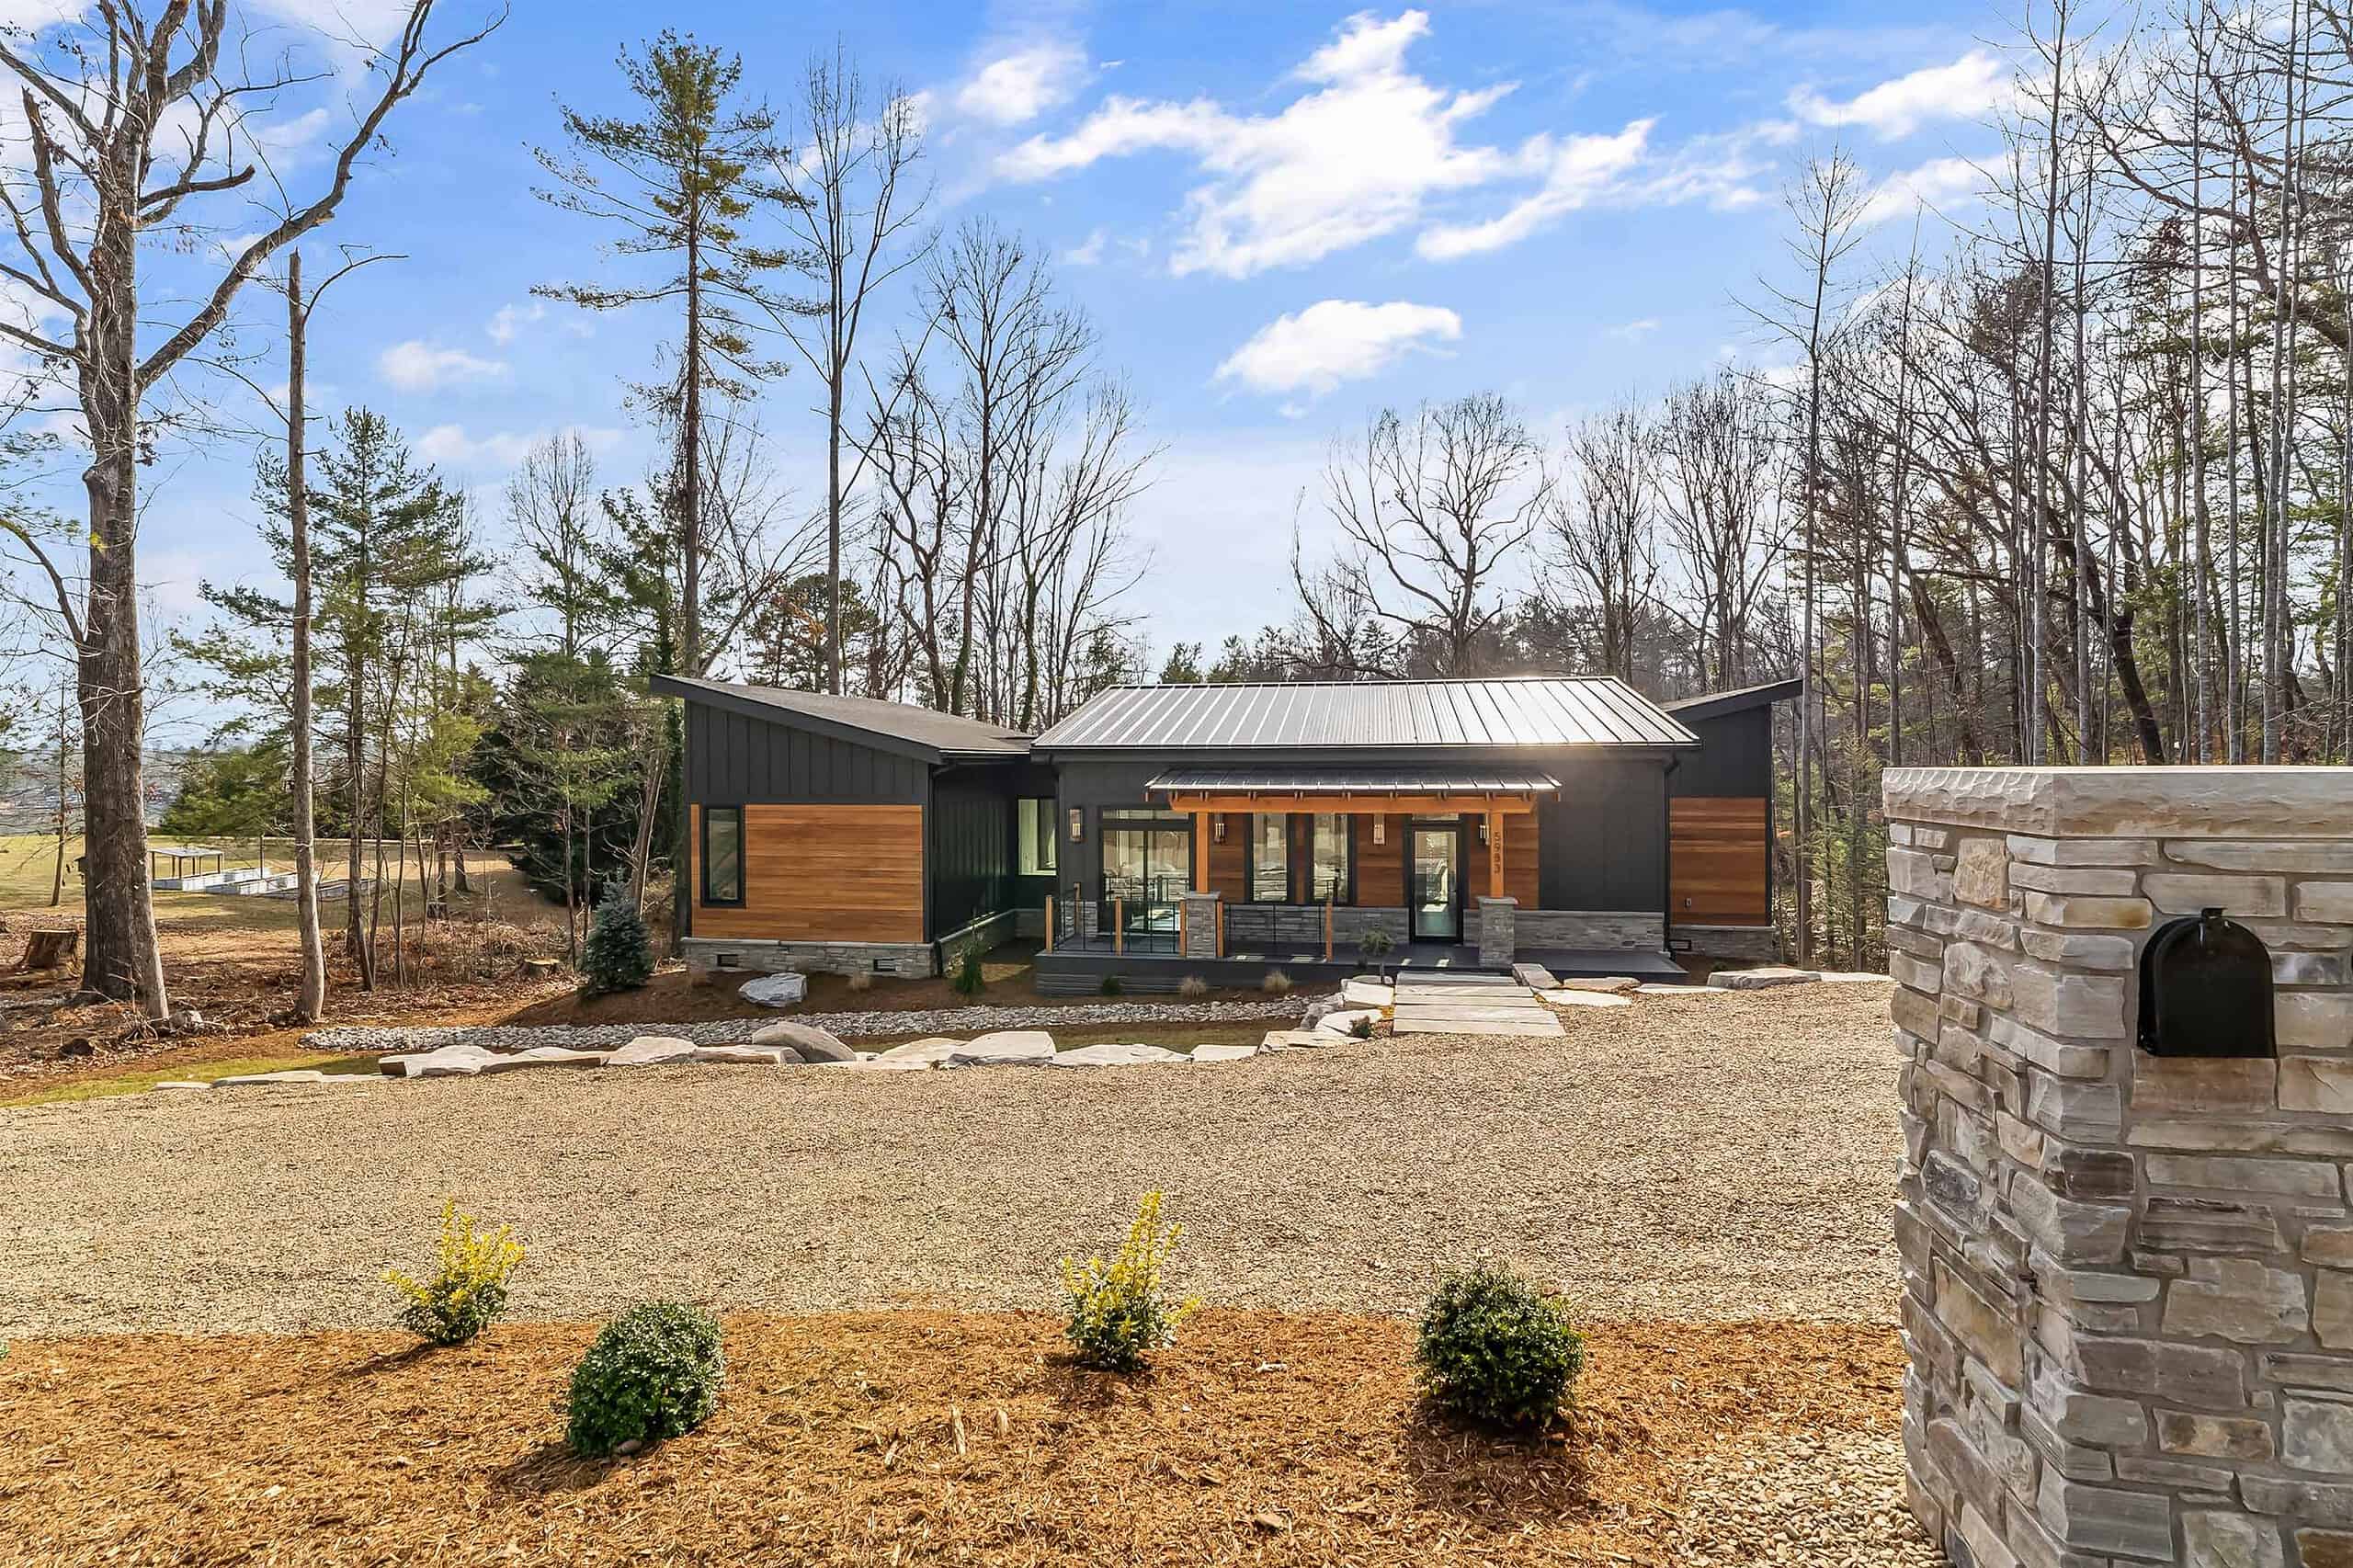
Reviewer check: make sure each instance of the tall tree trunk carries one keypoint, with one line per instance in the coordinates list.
(311, 993)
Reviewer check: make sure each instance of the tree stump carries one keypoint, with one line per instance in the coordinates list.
(49, 949)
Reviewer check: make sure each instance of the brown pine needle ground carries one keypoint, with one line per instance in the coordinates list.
(915, 1437)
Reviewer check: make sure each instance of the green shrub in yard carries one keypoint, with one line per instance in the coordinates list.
(618, 957)
(654, 1372)
(1497, 1349)
(969, 981)
(1112, 985)
(467, 1288)
(1277, 984)
(1116, 1313)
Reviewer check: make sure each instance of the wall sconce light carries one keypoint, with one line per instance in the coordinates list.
(1217, 828)
(1380, 830)
(1483, 830)
(1077, 824)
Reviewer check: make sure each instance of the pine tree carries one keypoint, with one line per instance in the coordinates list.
(618, 956)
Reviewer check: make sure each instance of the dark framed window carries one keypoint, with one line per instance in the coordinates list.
(1331, 860)
(1270, 857)
(1034, 830)
(722, 855)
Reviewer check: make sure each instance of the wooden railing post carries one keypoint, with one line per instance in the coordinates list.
(1050, 923)
(1119, 925)
(1221, 927)
(1327, 930)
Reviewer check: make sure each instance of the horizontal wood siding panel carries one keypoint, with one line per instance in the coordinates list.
(1718, 866)
(820, 873)
(1522, 838)
(1230, 862)
(1381, 868)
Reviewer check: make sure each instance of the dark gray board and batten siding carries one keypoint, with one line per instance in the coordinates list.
(735, 760)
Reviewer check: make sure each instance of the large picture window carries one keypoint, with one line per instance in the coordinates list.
(1147, 866)
(1270, 857)
(723, 853)
(1034, 828)
(1329, 860)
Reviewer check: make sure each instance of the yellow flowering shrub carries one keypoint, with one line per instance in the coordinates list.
(1118, 1312)
(468, 1286)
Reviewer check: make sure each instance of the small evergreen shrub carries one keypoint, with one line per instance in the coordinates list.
(1277, 984)
(1192, 985)
(862, 980)
(1497, 1349)
(1374, 946)
(1361, 1028)
(1118, 1312)
(654, 1372)
(1112, 985)
(618, 956)
(468, 1286)
(969, 981)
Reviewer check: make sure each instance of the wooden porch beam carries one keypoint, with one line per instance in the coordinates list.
(1201, 853)
(1494, 854)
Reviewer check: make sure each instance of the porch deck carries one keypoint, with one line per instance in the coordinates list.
(1150, 967)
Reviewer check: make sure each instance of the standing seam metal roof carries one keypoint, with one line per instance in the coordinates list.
(1530, 711)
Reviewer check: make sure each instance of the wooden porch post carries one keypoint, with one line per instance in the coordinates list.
(1494, 854)
(1200, 851)
(1050, 923)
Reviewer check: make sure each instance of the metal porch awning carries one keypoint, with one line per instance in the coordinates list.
(1431, 780)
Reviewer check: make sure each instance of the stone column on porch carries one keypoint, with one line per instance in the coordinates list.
(2128, 1278)
(1498, 932)
(1201, 925)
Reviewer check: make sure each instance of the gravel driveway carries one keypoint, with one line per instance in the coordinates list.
(1708, 1157)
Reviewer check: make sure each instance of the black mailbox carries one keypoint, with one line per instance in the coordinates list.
(2206, 990)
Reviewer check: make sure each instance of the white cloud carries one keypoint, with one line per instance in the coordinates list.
(1577, 171)
(1017, 87)
(1334, 341)
(417, 366)
(1940, 184)
(1633, 331)
(1977, 81)
(512, 319)
(1355, 158)
(1088, 251)
(449, 446)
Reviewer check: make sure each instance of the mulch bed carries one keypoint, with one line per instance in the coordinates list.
(916, 1437)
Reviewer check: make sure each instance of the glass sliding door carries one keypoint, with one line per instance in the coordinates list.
(1437, 884)
(1147, 867)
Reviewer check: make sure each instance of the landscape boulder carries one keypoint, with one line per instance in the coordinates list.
(1003, 1047)
(1345, 1022)
(1363, 992)
(296, 1075)
(752, 1055)
(1535, 976)
(776, 990)
(1565, 997)
(1116, 1056)
(1321, 1008)
(1761, 979)
(809, 1042)
(1306, 1040)
(653, 1050)
(458, 1060)
(1613, 985)
(542, 1056)
(1225, 1052)
(929, 1051)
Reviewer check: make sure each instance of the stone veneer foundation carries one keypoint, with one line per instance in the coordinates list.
(2127, 1280)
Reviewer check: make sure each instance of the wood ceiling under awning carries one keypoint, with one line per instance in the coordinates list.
(1357, 791)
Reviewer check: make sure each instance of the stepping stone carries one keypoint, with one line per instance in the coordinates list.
(1853, 977)
(1003, 1048)
(653, 1050)
(1660, 988)
(755, 1055)
(870, 1063)
(1116, 1056)
(544, 1056)
(1535, 976)
(1345, 1022)
(1518, 1028)
(1366, 994)
(1567, 998)
(1761, 979)
(776, 990)
(812, 1043)
(1615, 985)
(297, 1075)
(1224, 1052)
(459, 1060)
(176, 1083)
(1296, 1039)
(929, 1051)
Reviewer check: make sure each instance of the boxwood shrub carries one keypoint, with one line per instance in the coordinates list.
(654, 1372)
(1497, 1349)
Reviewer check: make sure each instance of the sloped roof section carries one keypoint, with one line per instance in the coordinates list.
(1586, 710)
(943, 736)
(1716, 704)
(1439, 778)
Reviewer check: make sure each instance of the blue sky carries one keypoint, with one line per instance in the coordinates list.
(1281, 217)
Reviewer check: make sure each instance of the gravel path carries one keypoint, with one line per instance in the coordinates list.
(729, 1031)
(1711, 1158)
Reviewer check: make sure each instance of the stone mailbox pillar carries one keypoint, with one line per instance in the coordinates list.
(2128, 1278)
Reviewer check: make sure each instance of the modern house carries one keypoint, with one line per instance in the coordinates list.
(1166, 831)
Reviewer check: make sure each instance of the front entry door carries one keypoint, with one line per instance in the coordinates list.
(1437, 886)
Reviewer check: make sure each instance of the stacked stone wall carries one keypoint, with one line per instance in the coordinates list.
(2128, 1280)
